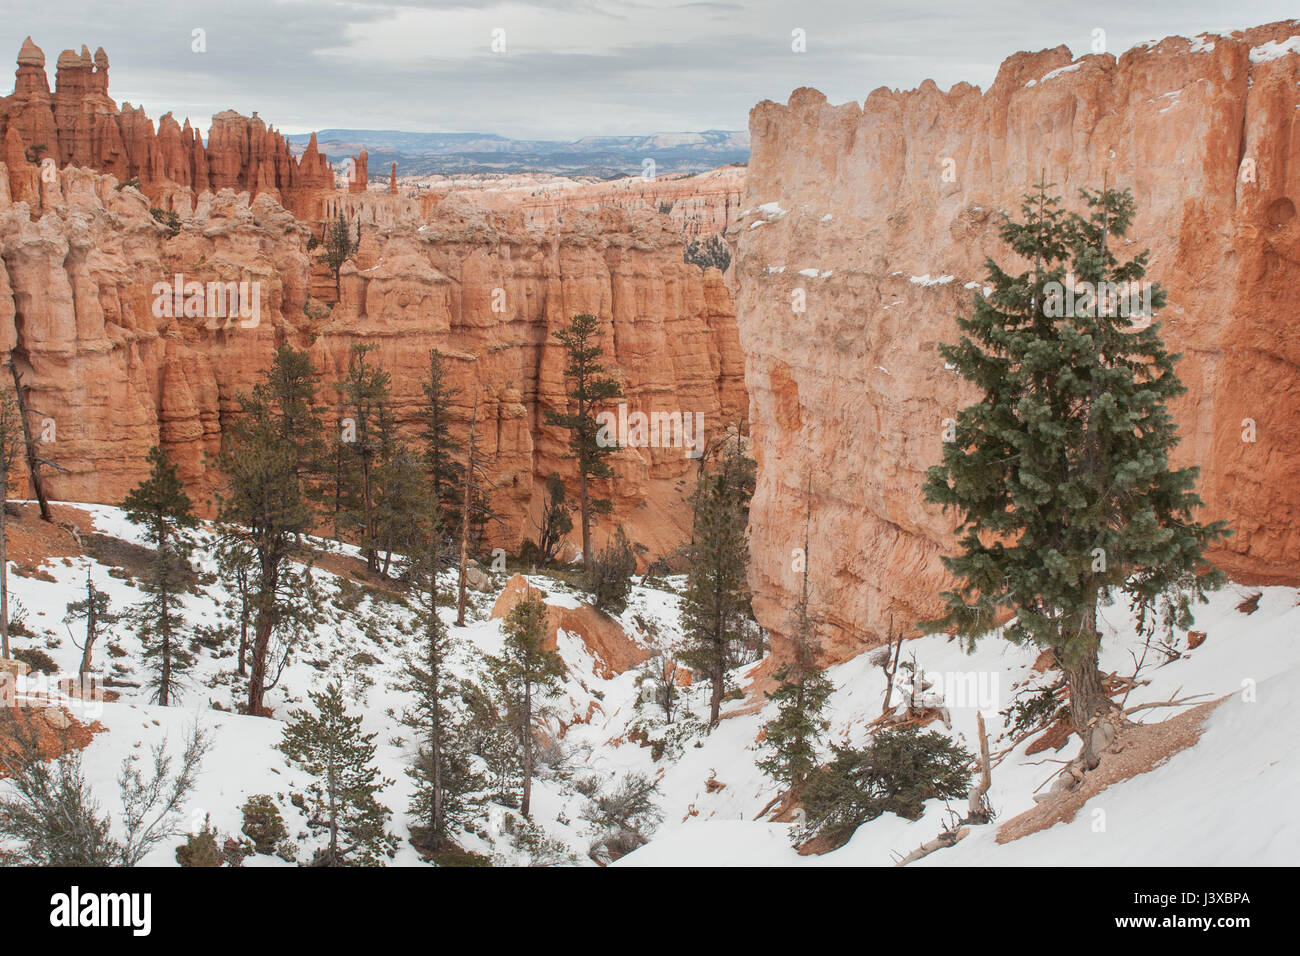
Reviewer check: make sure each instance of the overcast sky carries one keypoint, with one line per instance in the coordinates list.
(570, 68)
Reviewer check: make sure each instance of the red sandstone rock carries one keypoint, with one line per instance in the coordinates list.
(614, 652)
(80, 125)
(854, 392)
(117, 379)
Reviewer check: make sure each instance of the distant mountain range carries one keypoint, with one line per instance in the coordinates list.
(605, 157)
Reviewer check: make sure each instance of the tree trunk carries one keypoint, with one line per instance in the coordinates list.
(718, 679)
(243, 634)
(526, 804)
(83, 671)
(585, 500)
(165, 676)
(4, 575)
(256, 680)
(33, 465)
(470, 465)
(1088, 698)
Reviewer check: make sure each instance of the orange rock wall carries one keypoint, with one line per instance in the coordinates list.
(77, 308)
(854, 392)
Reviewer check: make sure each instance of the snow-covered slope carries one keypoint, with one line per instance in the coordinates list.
(1224, 800)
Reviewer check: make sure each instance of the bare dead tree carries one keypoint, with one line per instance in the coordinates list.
(33, 461)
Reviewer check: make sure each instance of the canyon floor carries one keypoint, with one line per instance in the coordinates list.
(1205, 786)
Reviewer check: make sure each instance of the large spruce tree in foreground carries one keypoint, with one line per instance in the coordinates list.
(1060, 471)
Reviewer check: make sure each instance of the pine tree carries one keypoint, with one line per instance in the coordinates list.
(802, 691)
(399, 497)
(11, 445)
(792, 735)
(589, 390)
(160, 504)
(338, 246)
(524, 671)
(440, 451)
(266, 511)
(1060, 474)
(610, 579)
(330, 746)
(365, 398)
(475, 508)
(440, 768)
(716, 605)
(97, 611)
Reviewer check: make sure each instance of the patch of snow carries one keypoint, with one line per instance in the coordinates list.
(1274, 49)
(927, 281)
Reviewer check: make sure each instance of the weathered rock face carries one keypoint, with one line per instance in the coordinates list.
(853, 391)
(113, 373)
(80, 125)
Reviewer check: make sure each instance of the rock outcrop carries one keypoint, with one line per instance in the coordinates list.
(882, 214)
(115, 368)
(612, 651)
(80, 125)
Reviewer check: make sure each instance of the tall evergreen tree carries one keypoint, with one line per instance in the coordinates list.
(330, 746)
(440, 451)
(801, 693)
(11, 445)
(266, 510)
(440, 768)
(475, 507)
(589, 389)
(525, 671)
(716, 605)
(160, 504)
(365, 398)
(399, 509)
(1060, 474)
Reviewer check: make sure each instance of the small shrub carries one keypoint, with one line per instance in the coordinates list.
(711, 252)
(169, 219)
(458, 857)
(897, 772)
(622, 818)
(200, 849)
(263, 824)
(610, 579)
(36, 660)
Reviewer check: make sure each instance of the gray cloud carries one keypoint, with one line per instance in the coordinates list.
(572, 67)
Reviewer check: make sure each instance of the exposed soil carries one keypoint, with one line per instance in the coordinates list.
(30, 542)
(51, 743)
(1138, 749)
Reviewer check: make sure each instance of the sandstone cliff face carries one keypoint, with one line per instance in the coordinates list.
(77, 306)
(853, 391)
